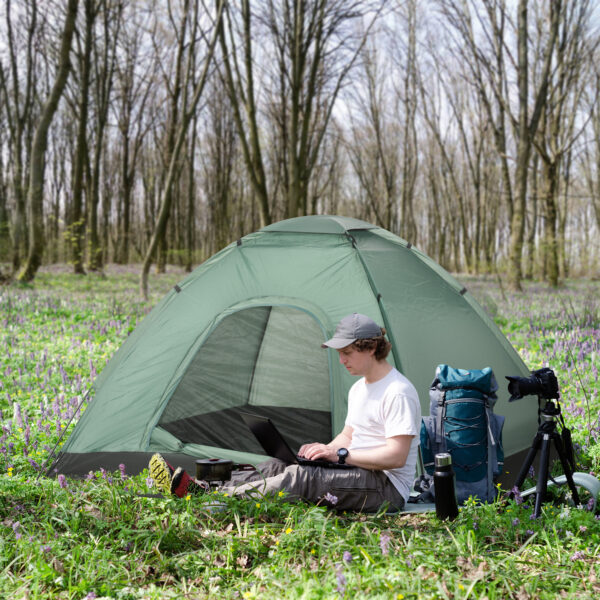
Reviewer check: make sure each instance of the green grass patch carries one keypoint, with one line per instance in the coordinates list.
(98, 537)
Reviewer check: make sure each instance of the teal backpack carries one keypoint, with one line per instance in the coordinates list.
(462, 422)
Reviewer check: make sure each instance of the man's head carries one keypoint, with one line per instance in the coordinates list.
(362, 333)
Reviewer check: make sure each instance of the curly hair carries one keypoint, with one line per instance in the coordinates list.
(381, 346)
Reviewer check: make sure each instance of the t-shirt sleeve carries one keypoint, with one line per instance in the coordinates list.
(401, 415)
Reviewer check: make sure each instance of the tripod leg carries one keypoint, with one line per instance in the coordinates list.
(542, 483)
(560, 449)
(528, 462)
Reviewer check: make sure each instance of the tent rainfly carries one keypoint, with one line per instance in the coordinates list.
(244, 332)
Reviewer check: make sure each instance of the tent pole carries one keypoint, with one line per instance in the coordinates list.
(43, 467)
(390, 334)
(386, 324)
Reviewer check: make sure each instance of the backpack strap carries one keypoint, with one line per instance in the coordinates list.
(492, 448)
(441, 415)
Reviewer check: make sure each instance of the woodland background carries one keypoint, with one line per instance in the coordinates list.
(155, 132)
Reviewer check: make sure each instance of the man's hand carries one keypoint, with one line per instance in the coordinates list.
(318, 451)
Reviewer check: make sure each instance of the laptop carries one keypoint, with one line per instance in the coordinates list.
(274, 444)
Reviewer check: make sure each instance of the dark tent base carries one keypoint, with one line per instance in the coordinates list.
(79, 465)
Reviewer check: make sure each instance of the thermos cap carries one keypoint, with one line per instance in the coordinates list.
(443, 459)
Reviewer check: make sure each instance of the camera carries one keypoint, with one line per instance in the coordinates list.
(542, 383)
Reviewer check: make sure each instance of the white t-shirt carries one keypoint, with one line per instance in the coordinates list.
(383, 409)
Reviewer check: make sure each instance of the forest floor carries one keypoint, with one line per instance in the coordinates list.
(61, 538)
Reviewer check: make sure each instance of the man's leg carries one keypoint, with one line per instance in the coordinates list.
(269, 468)
(355, 489)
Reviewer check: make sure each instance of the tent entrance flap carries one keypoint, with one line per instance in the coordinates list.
(275, 367)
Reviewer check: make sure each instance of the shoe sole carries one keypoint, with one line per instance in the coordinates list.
(161, 474)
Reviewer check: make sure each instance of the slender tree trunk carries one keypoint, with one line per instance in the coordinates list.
(550, 172)
(532, 220)
(81, 150)
(167, 192)
(190, 228)
(38, 150)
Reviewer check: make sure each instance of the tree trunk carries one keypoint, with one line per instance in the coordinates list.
(36, 181)
(81, 151)
(167, 192)
(550, 173)
(532, 220)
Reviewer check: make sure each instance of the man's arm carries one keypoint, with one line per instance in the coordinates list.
(392, 455)
(317, 450)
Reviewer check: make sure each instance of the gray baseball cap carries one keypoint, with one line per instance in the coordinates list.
(351, 328)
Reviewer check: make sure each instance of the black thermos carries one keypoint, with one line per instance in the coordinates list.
(443, 481)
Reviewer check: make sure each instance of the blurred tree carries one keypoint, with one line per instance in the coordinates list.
(192, 88)
(35, 193)
(17, 89)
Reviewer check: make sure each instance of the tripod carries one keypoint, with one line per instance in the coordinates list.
(547, 433)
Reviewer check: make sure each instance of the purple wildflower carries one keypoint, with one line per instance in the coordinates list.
(517, 495)
(91, 596)
(16, 529)
(515, 522)
(579, 555)
(590, 504)
(341, 581)
(384, 542)
(62, 481)
(122, 469)
(149, 482)
(347, 557)
(582, 528)
(529, 532)
(18, 416)
(330, 498)
(475, 525)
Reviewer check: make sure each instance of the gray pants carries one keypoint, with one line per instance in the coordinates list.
(355, 489)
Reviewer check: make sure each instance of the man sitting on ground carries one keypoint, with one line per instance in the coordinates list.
(380, 437)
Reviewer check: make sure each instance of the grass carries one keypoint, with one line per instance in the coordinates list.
(98, 538)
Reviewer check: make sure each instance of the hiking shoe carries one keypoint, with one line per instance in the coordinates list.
(161, 472)
(182, 484)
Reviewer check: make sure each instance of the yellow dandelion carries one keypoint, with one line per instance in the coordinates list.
(281, 494)
(188, 497)
(461, 587)
(400, 596)
(313, 551)
(258, 505)
(277, 543)
(288, 530)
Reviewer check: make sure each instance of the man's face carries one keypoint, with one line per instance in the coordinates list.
(357, 363)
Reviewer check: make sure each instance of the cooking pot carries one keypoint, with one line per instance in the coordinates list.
(214, 469)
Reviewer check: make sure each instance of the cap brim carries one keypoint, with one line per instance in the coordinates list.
(338, 343)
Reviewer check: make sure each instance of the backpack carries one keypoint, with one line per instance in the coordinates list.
(462, 422)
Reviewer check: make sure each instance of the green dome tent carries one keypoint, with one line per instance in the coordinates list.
(244, 331)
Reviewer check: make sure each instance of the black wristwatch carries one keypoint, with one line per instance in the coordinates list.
(342, 455)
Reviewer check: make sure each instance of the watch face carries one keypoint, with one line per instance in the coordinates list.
(342, 454)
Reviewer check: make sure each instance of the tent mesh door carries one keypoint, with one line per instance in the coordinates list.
(266, 360)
